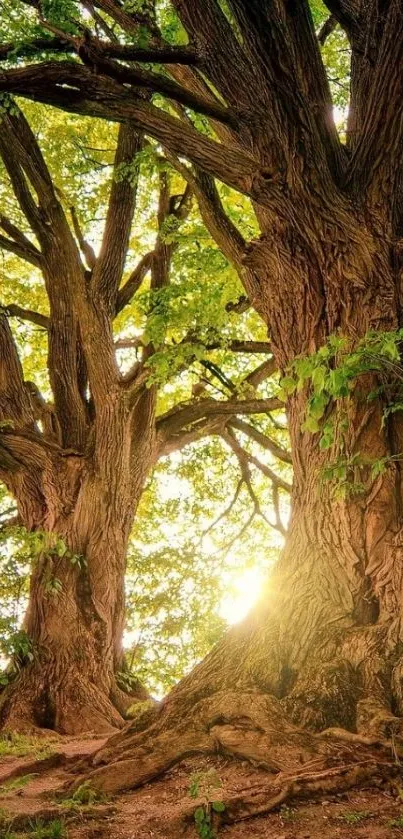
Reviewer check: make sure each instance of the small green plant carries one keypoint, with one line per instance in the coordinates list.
(53, 587)
(52, 830)
(398, 822)
(203, 785)
(84, 796)
(355, 816)
(20, 649)
(287, 814)
(330, 377)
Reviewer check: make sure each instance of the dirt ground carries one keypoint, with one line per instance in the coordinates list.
(30, 796)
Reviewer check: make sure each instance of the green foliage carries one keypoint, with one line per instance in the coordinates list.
(62, 13)
(84, 796)
(330, 376)
(203, 785)
(7, 105)
(396, 823)
(40, 829)
(287, 814)
(181, 568)
(354, 817)
(17, 646)
(175, 613)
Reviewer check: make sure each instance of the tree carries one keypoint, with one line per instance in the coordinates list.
(75, 454)
(323, 649)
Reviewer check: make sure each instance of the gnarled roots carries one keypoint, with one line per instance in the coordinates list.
(249, 726)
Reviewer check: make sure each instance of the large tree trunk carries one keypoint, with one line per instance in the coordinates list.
(75, 616)
(322, 649)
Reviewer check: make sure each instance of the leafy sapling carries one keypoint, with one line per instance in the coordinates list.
(203, 785)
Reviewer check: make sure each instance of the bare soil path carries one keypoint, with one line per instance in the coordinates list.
(31, 796)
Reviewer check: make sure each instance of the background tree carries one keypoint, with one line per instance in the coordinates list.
(79, 441)
(326, 640)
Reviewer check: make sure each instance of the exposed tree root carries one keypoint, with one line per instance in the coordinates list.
(265, 798)
(248, 726)
(37, 766)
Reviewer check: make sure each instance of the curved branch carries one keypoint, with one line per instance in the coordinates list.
(181, 417)
(133, 283)
(76, 89)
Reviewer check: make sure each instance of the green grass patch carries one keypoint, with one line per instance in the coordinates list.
(20, 745)
(17, 783)
(397, 823)
(354, 816)
(55, 829)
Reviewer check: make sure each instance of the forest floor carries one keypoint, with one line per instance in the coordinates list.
(31, 805)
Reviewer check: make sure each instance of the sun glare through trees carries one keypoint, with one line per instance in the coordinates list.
(201, 395)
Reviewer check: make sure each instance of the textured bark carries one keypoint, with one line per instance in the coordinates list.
(322, 651)
(324, 646)
(76, 627)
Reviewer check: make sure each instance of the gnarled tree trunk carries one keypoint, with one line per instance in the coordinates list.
(323, 648)
(83, 507)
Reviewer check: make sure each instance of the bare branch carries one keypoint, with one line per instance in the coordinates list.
(261, 373)
(328, 27)
(276, 480)
(31, 254)
(183, 416)
(244, 459)
(75, 88)
(133, 283)
(86, 249)
(14, 311)
(266, 442)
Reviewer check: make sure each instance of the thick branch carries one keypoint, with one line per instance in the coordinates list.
(14, 399)
(74, 88)
(29, 254)
(126, 52)
(155, 83)
(224, 59)
(181, 417)
(14, 311)
(109, 267)
(379, 133)
(266, 442)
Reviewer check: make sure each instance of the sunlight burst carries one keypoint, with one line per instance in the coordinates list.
(243, 595)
